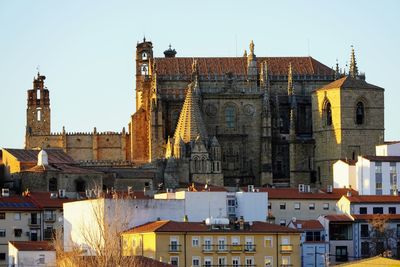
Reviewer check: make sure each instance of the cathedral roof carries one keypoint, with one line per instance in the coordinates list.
(349, 82)
(190, 123)
(238, 65)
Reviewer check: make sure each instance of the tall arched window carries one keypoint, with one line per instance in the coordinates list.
(328, 114)
(230, 117)
(360, 113)
(53, 184)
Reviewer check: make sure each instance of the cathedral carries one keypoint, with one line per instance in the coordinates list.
(245, 120)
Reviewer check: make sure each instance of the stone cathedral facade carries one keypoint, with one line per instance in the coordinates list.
(231, 120)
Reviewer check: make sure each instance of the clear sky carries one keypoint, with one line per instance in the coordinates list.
(86, 49)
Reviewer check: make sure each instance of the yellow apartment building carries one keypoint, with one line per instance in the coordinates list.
(215, 244)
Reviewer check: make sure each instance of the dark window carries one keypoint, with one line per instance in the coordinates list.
(364, 230)
(269, 205)
(53, 184)
(341, 253)
(17, 232)
(340, 231)
(328, 111)
(80, 185)
(380, 247)
(363, 210)
(360, 113)
(398, 231)
(2, 256)
(365, 249)
(2, 215)
(313, 236)
(282, 206)
(230, 117)
(392, 210)
(34, 236)
(377, 210)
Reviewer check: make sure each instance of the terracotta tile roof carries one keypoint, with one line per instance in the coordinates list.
(342, 191)
(307, 224)
(33, 245)
(349, 82)
(338, 218)
(173, 226)
(383, 158)
(376, 216)
(17, 203)
(238, 65)
(31, 155)
(373, 199)
(43, 200)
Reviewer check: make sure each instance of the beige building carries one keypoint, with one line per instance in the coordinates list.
(29, 253)
(197, 244)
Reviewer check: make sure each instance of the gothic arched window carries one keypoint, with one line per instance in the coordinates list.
(360, 113)
(230, 117)
(53, 184)
(328, 113)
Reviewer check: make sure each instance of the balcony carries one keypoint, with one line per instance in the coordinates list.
(250, 248)
(222, 248)
(174, 248)
(286, 248)
(50, 218)
(34, 223)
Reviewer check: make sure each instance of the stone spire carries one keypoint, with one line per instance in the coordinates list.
(290, 81)
(353, 70)
(337, 71)
(190, 123)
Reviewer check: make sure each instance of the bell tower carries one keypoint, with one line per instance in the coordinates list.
(38, 108)
(144, 58)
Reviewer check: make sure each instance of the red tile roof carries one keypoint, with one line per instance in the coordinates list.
(238, 65)
(33, 245)
(374, 199)
(338, 218)
(31, 155)
(349, 82)
(308, 224)
(376, 216)
(173, 226)
(383, 158)
(43, 200)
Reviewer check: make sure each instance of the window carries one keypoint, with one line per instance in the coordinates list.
(235, 261)
(222, 244)
(144, 56)
(174, 261)
(207, 244)
(377, 210)
(313, 236)
(17, 216)
(398, 230)
(249, 244)
(360, 113)
(195, 241)
(144, 69)
(297, 205)
(38, 114)
(222, 261)
(365, 249)
(340, 231)
(269, 205)
(364, 230)
(378, 167)
(341, 253)
(230, 117)
(268, 261)
(207, 262)
(249, 261)
(2, 256)
(282, 222)
(2, 215)
(392, 210)
(34, 235)
(268, 242)
(41, 259)
(311, 206)
(328, 114)
(173, 244)
(282, 206)
(53, 184)
(285, 261)
(326, 206)
(2, 232)
(17, 232)
(363, 210)
(195, 261)
(393, 178)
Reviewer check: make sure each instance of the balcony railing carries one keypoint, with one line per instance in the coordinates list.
(33, 222)
(229, 248)
(50, 218)
(286, 248)
(174, 248)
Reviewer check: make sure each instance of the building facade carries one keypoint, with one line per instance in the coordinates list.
(230, 120)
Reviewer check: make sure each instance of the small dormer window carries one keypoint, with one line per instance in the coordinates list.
(144, 56)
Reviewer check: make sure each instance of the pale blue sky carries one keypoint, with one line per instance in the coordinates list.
(86, 49)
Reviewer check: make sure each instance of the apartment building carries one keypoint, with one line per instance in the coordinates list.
(215, 243)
